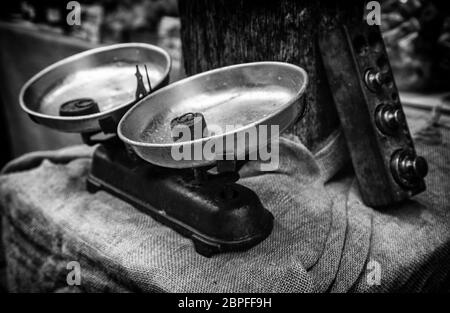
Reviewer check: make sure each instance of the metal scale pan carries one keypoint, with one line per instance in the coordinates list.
(105, 75)
(244, 96)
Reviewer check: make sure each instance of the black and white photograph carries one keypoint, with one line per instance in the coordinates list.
(224, 152)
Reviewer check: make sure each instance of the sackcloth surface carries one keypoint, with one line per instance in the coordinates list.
(324, 238)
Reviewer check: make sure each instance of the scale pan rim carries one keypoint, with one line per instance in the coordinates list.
(206, 73)
(153, 152)
(89, 122)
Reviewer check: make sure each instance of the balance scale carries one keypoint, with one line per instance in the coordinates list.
(118, 97)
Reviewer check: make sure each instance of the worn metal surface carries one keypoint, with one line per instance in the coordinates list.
(371, 114)
(243, 96)
(107, 75)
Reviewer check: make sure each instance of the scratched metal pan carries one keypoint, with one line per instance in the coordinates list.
(106, 75)
(243, 96)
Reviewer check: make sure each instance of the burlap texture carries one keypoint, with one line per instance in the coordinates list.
(323, 238)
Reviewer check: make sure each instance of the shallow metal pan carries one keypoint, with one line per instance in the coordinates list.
(249, 95)
(106, 74)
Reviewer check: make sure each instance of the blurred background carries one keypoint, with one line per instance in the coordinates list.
(35, 34)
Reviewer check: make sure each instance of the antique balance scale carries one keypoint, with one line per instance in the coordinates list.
(102, 95)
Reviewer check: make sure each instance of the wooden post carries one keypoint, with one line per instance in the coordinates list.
(217, 33)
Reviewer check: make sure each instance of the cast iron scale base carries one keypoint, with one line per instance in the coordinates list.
(217, 214)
